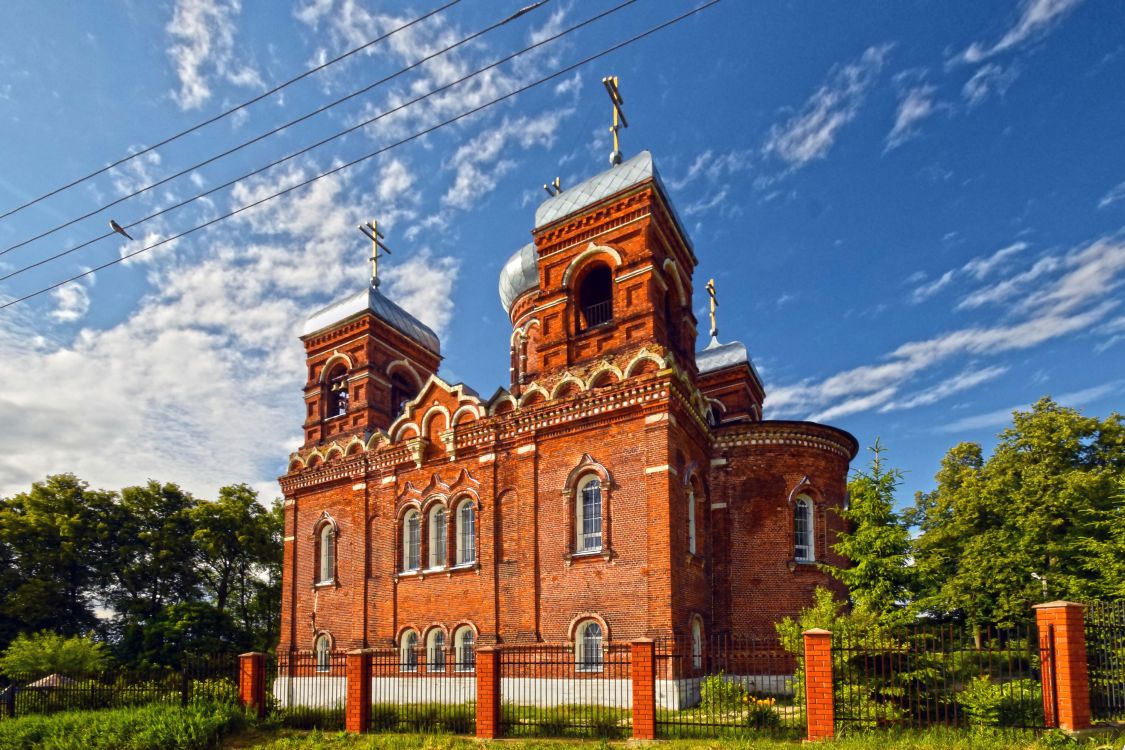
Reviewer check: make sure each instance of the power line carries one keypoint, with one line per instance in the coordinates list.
(245, 104)
(320, 143)
(277, 129)
(365, 157)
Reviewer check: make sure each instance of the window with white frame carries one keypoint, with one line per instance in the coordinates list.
(437, 537)
(435, 651)
(466, 532)
(588, 647)
(412, 540)
(588, 532)
(692, 543)
(323, 650)
(326, 560)
(803, 529)
(463, 642)
(696, 642)
(408, 652)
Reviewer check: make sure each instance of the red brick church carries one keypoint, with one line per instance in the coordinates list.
(623, 485)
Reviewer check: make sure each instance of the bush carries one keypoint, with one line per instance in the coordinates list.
(222, 690)
(717, 693)
(1017, 703)
(384, 717)
(46, 653)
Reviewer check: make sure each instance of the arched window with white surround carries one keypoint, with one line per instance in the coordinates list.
(588, 515)
(337, 402)
(322, 648)
(588, 647)
(803, 529)
(408, 652)
(696, 642)
(437, 529)
(466, 532)
(464, 639)
(692, 540)
(435, 651)
(326, 559)
(412, 540)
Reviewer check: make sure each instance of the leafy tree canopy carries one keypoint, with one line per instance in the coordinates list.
(47, 653)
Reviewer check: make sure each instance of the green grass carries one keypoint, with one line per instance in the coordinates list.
(152, 727)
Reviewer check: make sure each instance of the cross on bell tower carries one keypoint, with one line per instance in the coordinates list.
(371, 231)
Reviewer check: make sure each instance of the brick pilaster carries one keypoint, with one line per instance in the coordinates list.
(357, 709)
(819, 708)
(488, 692)
(252, 682)
(644, 689)
(1066, 684)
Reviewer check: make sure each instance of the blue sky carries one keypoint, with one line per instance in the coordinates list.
(914, 211)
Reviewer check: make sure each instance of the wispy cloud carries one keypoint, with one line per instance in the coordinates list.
(713, 167)
(915, 105)
(991, 79)
(202, 33)
(978, 268)
(1036, 19)
(1002, 417)
(1113, 196)
(810, 133)
(961, 382)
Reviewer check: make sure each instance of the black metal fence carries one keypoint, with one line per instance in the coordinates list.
(306, 690)
(930, 675)
(556, 691)
(418, 691)
(213, 679)
(1105, 656)
(723, 686)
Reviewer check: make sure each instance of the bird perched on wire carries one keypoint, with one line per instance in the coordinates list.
(117, 228)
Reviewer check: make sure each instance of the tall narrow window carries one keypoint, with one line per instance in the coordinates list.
(466, 533)
(322, 649)
(337, 391)
(803, 529)
(588, 647)
(401, 391)
(327, 560)
(463, 641)
(408, 652)
(437, 537)
(691, 540)
(696, 643)
(435, 656)
(589, 516)
(412, 541)
(595, 297)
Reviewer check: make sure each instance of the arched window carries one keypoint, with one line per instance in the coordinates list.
(595, 297)
(696, 642)
(408, 652)
(326, 561)
(588, 647)
(323, 650)
(435, 651)
(466, 532)
(337, 391)
(463, 641)
(588, 532)
(402, 390)
(437, 537)
(803, 529)
(412, 541)
(691, 536)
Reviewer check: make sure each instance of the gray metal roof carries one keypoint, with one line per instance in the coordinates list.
(718, 356)
(519, 274)
(371, 299)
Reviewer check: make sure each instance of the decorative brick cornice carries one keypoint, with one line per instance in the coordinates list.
(786, 433)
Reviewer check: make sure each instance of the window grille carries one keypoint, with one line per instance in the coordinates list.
(466, 656)
(408, 659)
(412, 542)
(327, 554)
(590, 648)
(590, 518)
(467, 534)
(802, 530)
(437, 652)
(323, 654)
(437, 538)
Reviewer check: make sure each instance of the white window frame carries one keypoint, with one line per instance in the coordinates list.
(435, 651)
(696, 642)
(408, 652)
(582, 537)
(804, 550)
(466, 537)
(411, 540)
(464, 657)
(583, 650)
(323, 664)
(438, 531)
(693, 544)
(326, 560)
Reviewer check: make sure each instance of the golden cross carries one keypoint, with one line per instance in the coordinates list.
(619, 121)
(371, 231)
(714, 303)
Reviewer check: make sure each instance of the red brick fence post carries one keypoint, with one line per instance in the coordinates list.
(644, 689)
(357, 708)
(252, 682)
(1062, 649)
(820, 711)
(488, 692)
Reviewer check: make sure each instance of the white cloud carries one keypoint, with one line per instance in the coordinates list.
(1037, 18)
(713, 168)
(1001, 417)
(988, 80)
(978, 268)
(915, 104)
(958, 383)
(202, 48)
(423, 286)
(925, 291)
(72, 302)
(810, 133)
(1113, 196)
(983, 266)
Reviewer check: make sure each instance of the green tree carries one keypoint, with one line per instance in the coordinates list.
(877, 542)
(49, 653)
